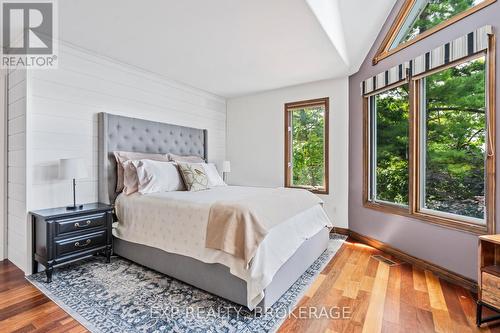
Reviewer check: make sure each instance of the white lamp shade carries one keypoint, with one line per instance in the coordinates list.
(72, 168)
(226, 166)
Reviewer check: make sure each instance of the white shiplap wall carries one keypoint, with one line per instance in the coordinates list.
(62, 118)
(3, 161)
(17, 224)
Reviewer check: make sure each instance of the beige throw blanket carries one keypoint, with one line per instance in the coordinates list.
(238, 227)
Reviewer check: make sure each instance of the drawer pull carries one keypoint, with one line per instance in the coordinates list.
(87, 242)
(78, 225)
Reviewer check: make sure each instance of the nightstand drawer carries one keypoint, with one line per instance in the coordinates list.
(491, 298)
(490, 289)
(81, 243)
(79, 223)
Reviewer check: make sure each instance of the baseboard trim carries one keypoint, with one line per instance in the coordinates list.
(441, 272)
(340, 231)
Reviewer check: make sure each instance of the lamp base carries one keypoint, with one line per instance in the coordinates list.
(77, 207)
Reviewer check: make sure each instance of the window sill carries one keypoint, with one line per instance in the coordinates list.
(444, 222)
(312, 190)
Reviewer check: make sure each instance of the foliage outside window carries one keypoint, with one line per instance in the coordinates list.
(306, 154)
(454, 140)
(428, 156)
(419, 19)
(427, 14)
(389, 138)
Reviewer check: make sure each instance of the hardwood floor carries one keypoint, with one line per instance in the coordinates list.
(23, 308)
(375, 296)
(383, 298)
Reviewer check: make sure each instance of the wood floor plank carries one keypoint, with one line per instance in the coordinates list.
(55, 316)
(63, 327)
(316, 284)
(391, 307)
(359, 312)
(375, 314)
(339, 260)
(354, 281)
(422, 300)
(453, 305)
(23, 306)
(366, 283)
(342, 324)
(439, 309)
(351, 289)
(345, 275)
(425, 321)
(25, 329)
(361, 265)
(26, 317)
(371, 269)
(389, 327)
(419, 281)
(408, 321)
(408, 296)
(436, 296)
(17, 295)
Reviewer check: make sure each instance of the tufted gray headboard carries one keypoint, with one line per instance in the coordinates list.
(144, 136)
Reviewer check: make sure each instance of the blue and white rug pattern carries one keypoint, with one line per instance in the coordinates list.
(126, 297)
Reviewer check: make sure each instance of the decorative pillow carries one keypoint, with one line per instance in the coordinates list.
(123, 156)
(130, 180)
(214, 179)
(194, 176)
(156, 176)
(187, 159)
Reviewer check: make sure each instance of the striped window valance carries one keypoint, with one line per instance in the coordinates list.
(459, 48)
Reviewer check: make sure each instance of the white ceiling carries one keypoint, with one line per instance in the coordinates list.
(229, 47)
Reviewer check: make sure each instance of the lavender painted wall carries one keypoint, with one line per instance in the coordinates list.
(448, 248)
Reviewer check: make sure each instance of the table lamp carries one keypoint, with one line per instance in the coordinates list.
(226, 168)
(73, 168)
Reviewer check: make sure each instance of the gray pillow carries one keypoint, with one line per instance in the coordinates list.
(185, 158)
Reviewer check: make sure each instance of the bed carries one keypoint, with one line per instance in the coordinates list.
(165, 231)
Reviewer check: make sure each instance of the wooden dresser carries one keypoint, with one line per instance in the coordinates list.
(489, 277)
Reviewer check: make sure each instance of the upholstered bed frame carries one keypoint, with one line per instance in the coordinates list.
(131, 134)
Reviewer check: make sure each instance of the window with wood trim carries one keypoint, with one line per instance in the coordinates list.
(389, 172)
(418, 19)
(443, 171)
(306, 145)
(452, 145)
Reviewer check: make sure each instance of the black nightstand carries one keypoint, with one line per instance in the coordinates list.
(61, 236)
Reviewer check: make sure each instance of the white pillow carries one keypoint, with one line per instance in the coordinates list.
(214, 179)
(123, 156)
(158, 176)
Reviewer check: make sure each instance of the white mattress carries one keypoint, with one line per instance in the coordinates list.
(176, 222)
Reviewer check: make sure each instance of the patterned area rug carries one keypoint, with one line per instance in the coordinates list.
(126, 297)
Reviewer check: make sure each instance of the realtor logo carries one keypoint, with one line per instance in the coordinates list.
(28, 30)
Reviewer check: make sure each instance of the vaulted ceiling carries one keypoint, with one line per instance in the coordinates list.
(229, 47)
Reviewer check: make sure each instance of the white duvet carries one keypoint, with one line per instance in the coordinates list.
(176, 222)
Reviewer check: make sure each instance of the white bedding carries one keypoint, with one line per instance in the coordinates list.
(176, 222)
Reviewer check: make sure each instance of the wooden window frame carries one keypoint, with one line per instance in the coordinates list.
(413, 210)
(379, 205)
(384, 50)
(288, 140)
